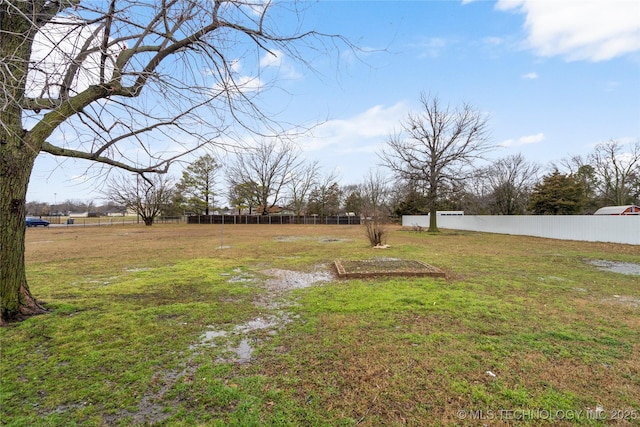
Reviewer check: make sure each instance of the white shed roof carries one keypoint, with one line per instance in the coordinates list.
(613, 210)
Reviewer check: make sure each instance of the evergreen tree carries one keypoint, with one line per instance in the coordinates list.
(557, 194)
(197, 184)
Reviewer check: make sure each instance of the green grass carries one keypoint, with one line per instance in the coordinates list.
(123, 344)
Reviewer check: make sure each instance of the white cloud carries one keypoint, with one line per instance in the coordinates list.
(362, 132)
(594, 30)
(271, 59)
(493, 41)
(530, 76)
(523, 140)
(278, 59)
(432, 47)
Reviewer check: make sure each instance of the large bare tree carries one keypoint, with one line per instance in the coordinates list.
(436, 146)
(510, 181)
(128, 83)
(300, 185)
(610, 174)
(269, 166)
(617, 171)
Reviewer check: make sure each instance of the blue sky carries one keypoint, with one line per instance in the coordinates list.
(554, 77)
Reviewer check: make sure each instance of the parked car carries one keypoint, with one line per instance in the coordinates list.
(34, 222)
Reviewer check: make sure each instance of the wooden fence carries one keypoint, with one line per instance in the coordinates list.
(273, 219)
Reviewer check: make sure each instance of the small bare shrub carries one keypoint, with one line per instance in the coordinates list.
(376, 231)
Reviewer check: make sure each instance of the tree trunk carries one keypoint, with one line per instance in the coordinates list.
(16, 163)
(433, 199)
(17, 156)
(433, 220)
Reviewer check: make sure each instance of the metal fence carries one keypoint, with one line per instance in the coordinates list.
(107, 220)
(273, 219)
(591, 228)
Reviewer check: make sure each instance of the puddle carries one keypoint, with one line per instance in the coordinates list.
(617, 267)
(288, 238)
(333, 240)
(324, 239)
(242, 352)
(282, 280)
(237, 344)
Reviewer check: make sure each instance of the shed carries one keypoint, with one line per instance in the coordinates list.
(619, 210)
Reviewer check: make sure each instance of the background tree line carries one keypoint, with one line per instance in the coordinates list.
(275, 175)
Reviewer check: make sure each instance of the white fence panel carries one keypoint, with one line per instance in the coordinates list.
(592, 228)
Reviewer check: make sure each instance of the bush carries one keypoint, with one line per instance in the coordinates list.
(376, 231)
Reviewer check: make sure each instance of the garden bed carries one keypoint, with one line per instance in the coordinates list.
(357, 269)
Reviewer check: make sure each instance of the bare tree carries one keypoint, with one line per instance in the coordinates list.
(510, 181)
(300, 185)
(617, 171)
(436, 146)
(375, 196)
(133, 84)
(270, 166)
(325, 196)
(146, 197)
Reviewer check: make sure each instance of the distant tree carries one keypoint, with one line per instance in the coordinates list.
(271, 166)
(408, 198)
(302, 181)
(436, 146)
(353, 200)
(557, 194)
(325, 198)
(36, 208)
(459, 196)
(197, 184)
(244, 195)
(617, 171)
(586, 174)
(510, 181)
(146, 197)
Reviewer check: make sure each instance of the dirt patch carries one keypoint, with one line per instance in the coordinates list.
(624, 300)
(385, 267)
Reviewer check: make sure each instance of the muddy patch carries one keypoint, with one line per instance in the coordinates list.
(321, 239)
(231, 344)
(285, 280)
(237, 345)
(617, 267)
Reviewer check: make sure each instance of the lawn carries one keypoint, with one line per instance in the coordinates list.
(203, 325)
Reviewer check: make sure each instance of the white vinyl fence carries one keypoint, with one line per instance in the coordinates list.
(592, 228)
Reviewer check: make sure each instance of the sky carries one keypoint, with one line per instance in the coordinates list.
(554, 78)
